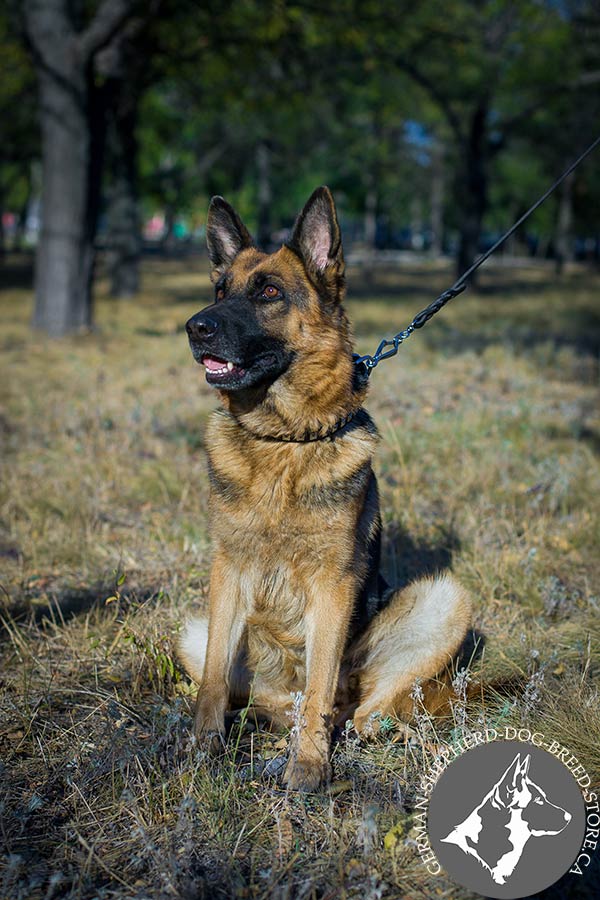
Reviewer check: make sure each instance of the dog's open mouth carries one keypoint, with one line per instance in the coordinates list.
(218, 370)
(232, 374)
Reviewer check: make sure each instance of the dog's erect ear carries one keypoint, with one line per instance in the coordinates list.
(510, 776)
(520, 775)
(226, 235)
(508, 783)
(524, 770)
(317, 238)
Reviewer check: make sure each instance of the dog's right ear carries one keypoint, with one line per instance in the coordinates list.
(226, 235)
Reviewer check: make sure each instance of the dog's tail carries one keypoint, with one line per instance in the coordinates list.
(491, 667)
(191, 646)
(401, 658)
(191, 649)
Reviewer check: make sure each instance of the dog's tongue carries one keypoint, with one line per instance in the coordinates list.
(213, 365)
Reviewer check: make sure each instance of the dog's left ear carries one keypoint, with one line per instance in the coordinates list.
(317, 239)
(226, 235)
(507, 784)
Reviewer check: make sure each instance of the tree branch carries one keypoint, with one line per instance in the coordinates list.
(443, 102)
(107, 22)
(513, 123)
(44, 25)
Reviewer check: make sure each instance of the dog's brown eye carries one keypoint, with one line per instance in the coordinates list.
(271, 292)
(220, 294)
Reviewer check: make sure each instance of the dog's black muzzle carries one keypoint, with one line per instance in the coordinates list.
(229, 341)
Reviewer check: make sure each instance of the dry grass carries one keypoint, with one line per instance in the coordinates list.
(489, 464)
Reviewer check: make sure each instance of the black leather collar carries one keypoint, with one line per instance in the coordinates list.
(320, 434)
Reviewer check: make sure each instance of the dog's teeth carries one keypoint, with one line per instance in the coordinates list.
(230, 366)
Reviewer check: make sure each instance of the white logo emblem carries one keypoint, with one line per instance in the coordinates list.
(513, 811)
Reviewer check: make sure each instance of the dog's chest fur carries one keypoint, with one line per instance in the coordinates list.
(286, 514)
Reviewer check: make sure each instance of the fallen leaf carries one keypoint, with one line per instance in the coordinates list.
(394, 836)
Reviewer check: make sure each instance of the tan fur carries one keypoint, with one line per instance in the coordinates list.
(288, 551)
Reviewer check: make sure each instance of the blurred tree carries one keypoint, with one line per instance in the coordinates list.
(407, 112)
(578, 113)
(421, 117)
(546, 142)
(490, 67)
(65, 39)
(586, 194)
(151, 49)
(233, 113)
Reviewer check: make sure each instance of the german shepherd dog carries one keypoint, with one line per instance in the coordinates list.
(296, 601)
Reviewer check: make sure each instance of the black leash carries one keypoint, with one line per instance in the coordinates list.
(365, 364)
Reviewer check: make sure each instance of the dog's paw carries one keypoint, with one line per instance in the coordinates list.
(212, 742)
(209, 732)
(369, 726)
(307, 775)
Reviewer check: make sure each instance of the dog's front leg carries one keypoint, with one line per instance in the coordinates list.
(225, 626)
(327, 619)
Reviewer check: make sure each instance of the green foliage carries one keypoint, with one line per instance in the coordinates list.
(356, 95)
(19, 144)
(352, 94)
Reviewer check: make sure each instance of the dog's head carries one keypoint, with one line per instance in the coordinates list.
(272, 313)
(516, 791)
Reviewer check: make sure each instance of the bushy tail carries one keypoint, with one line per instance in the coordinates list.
(191, 646)
(410, 642)
(192, 652)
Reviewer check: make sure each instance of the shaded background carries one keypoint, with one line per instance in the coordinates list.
(435, 124)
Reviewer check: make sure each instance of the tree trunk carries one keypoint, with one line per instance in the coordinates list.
(370, 227)
(123, 202)
(437, 199)
(2, 235)
(416, 223)
(510, 246)
(472, 193)
(167, 241)
(72, 128)
(564, 223)
(65, 253)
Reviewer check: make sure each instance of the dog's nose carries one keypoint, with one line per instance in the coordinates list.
(201, 326)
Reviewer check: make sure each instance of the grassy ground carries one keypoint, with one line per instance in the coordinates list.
(489, 465)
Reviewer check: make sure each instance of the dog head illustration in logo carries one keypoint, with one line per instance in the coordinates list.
(514, 810)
